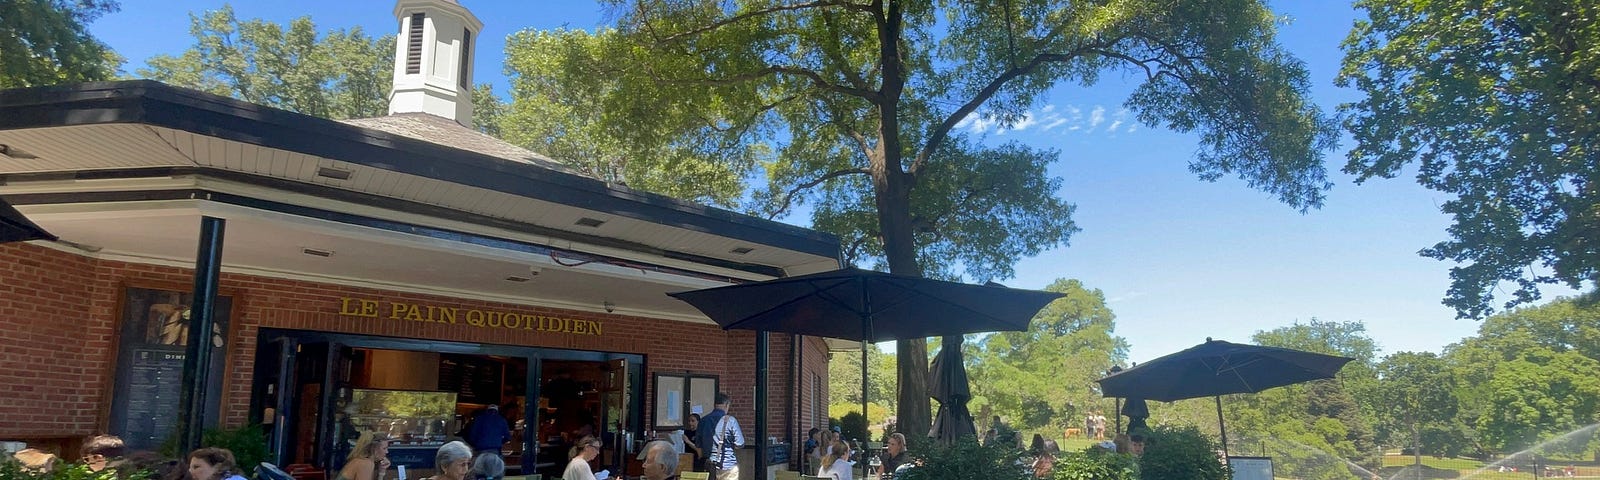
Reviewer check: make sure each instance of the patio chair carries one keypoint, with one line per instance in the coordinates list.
(694, 476)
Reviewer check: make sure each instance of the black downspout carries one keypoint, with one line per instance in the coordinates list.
(761, 405)
(202, 322)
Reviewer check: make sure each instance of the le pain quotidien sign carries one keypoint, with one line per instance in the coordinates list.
(470, 317)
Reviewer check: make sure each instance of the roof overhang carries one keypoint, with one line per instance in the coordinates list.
(108, 129)
(90, 161)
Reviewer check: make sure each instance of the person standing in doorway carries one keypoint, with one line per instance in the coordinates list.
(488, 431)
(720, 436)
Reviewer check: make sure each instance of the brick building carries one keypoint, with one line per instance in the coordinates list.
(364, 263)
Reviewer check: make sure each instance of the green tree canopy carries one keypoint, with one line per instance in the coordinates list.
(1526, 376)
(338, 74)
(857, 102)
(574, 98)
(1498, 104)
(844, 379)
(1044, 377)
(45, 42)
(1416, 393)
(1322, 415)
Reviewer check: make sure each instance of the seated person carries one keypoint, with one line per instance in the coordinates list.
(487, 466)
(102, 451)
(836, 464)
(894, 454)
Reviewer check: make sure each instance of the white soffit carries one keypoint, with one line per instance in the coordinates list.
(270, 244)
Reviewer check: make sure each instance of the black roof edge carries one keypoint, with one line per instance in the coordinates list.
(158, 104)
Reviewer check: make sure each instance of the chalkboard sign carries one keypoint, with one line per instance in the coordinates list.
(154, 335)
(473, 379)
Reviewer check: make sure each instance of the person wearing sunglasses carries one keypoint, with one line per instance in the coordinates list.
(582, 453)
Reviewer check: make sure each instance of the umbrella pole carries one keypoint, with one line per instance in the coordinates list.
(866, 329)
(1222, 427)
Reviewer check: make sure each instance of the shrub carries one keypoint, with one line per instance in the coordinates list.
(1095, 464)
(12, 470)
(1181, 453)
(853, 426)
(966, 460)
(248, 444)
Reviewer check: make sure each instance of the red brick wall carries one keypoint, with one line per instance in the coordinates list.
(50, 298)
(53, 332)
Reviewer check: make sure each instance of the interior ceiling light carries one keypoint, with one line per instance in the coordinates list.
(334, 173)
(315, 252)
(589, 222)
(741, 250)
(517, 279)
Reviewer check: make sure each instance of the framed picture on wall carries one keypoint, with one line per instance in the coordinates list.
(153, 340)
(678, 395)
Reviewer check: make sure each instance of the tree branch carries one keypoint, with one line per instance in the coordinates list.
(816, 80)
(741, 17)
(788, 198)
(942, 131)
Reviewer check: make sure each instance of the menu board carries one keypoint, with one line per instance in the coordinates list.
(154, 335)
(473, 379)
(152, 400)
(1251, 468)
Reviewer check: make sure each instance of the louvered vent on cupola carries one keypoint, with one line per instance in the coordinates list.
(414, 44)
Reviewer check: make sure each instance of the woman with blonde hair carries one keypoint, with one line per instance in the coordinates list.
(582, 453)
(369, 460)
(836, 464)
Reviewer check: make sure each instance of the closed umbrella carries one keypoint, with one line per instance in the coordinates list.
(1217, 368)
(948, 384)
(14, 227)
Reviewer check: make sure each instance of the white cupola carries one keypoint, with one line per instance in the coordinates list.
(433, 59)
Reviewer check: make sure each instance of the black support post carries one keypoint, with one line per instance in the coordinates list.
(202, 322)
(761, 405)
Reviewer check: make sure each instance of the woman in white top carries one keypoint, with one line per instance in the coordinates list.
(582, 453)
(836, 464)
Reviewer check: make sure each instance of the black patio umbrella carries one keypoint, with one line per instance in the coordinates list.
(947, 383)
(16, 228)
(1217, 368)
(869, 307)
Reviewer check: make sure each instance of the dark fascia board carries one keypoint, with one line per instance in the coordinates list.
(157, 104)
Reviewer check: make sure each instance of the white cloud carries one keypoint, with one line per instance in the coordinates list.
(1066, 118)
(1027, 121)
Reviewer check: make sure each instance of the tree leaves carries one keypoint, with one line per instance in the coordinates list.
(340, 74)
(1498, 104)
(1044, 377)
(46, 42)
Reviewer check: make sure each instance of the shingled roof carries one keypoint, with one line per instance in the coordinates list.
(448, 133)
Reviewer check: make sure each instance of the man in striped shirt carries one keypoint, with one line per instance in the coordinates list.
(720, 436)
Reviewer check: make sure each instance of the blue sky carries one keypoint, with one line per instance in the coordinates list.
(1178, 259)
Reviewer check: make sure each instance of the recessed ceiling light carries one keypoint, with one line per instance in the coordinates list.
(589, 222)
(334, 173)
(517, 279)
(316, 252)
(741, 250)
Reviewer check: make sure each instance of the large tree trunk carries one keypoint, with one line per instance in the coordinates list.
(894, 220)
(892, 188)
